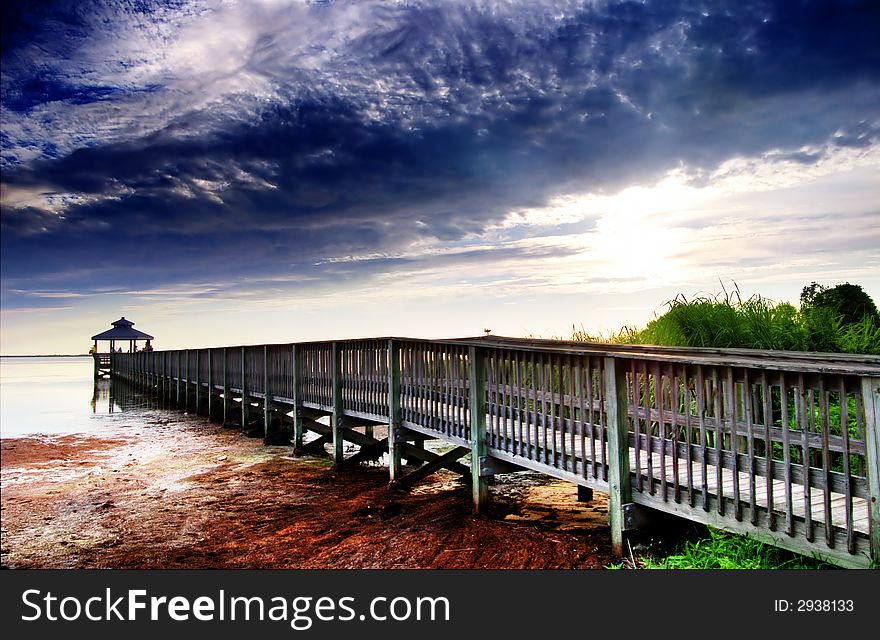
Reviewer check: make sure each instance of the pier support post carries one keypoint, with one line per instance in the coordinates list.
(186, 381)
(198, 377)
(179, 375)
(337, 419)
(619, 482)
(245, 400)
(871, 399)
(267, 397)
(479, 449)
(225, 417)
(297, 402)
(210, 384)
(272, 429)
(395, 428)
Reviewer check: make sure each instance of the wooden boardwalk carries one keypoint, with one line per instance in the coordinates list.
(573, 457)
(782, 446)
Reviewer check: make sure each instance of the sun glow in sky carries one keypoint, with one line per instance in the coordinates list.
(249, 172)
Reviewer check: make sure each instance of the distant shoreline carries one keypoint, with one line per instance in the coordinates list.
(48, 355)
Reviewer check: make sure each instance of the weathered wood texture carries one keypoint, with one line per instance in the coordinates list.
(780, 445)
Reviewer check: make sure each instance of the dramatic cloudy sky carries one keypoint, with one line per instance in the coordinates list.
(229, 172)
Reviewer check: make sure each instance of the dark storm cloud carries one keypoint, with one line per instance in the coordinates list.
(347, 129)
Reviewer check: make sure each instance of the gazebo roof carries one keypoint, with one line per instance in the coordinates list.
(122, 330)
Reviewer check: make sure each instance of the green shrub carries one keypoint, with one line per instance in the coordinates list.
(849, 301)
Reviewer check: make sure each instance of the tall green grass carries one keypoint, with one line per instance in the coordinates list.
(727, 321)
(722, 550)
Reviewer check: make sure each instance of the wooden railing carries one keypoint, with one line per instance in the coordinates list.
(783, 446)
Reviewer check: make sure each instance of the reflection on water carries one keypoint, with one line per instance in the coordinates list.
(55, 395)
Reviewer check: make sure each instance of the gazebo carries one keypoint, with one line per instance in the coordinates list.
(123, 330)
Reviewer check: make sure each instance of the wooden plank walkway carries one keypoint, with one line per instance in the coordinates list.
(580, 458)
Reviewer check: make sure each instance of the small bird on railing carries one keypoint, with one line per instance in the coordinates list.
(487, 331)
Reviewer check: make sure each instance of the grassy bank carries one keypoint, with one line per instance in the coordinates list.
(726, 320)
(840, 319)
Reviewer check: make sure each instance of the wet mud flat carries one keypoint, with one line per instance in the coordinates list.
(177, 492)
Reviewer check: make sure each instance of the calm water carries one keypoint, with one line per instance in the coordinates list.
(58, 395)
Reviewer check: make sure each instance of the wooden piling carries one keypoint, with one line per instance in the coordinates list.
(187, 380)
(395, 428)
(297, 399)
(245, 399)
(267, 397)
(211, 402)
(479, 449)
(871, 398)
(226, 405)
(619, 482)
(336, 418)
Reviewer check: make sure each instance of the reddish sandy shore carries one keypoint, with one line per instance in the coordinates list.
(183, 493)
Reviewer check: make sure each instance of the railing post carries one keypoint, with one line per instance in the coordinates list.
(165, 389)
(245, 403)
(619, 482)
(479, 449)
(266, 394)
(297, 401)
(210, 384)
(871, 398)
(395, 429)
(186, 384)
(169, 375)
(225, 387)
(270, 434)
(198, 378)
(336, 419)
